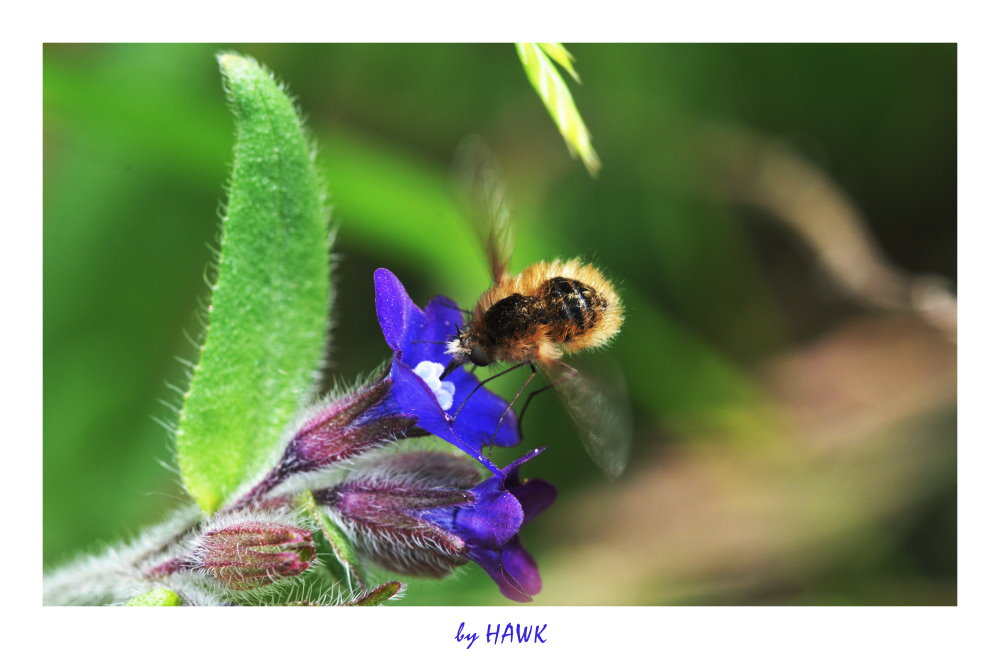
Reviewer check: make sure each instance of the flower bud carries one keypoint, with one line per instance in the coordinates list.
(249, 555)
(347, 427)
(383, 516)
(335, 431)
(425, 513)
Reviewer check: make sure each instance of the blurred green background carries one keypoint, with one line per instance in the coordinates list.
(794, 431)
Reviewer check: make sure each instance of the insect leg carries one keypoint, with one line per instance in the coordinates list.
(510, 406)
(481, 384)
(569, 373)
(527, 401)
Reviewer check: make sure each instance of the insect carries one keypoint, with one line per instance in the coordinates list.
(533, 318)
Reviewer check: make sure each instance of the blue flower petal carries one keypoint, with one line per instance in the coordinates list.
(512, 569)
(535, 497)
(441, 319)
(478, 419)
(492, 521)
(398, 316)
(489, 527)
(511, 471)
(407, 331)
(415, 399)
(506, 561)
(521, 567)
(484, 407)
(490, 561)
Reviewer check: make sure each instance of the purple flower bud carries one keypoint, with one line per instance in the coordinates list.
(249, 555)
(347, 427)
(423, 514)
(336, 431)
(384, 515)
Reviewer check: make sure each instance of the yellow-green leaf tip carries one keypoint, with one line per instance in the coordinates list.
(537, 59)
(156, 597)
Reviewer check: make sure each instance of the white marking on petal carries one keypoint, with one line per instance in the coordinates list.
(430, 372)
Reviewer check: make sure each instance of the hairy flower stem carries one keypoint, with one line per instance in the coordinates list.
(261, 489)
(169, 567)
(116, 574)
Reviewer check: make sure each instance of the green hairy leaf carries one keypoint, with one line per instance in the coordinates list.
(269, 304)
(379, 595)
(537, 59)
(349, 567)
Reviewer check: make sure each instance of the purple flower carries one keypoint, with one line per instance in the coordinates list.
(417, 364)
(505, 560)
(411, 400)
(423, 514)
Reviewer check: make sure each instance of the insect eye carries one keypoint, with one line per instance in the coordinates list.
(478, 356)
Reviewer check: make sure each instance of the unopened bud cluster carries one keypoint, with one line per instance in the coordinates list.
(245, 555)
(248, 555)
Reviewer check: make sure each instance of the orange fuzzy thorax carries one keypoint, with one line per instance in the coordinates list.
(529, 281)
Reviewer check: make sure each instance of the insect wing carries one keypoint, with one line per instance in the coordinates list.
(484, 198)
(601, 416)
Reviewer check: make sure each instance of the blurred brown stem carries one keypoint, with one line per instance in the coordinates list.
(770, 175)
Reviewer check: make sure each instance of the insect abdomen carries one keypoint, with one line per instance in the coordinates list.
(572, 308)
